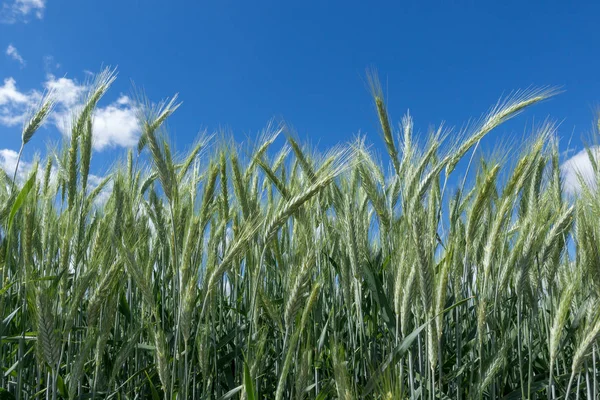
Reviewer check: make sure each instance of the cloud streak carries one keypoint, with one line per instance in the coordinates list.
(21, 10)
(12, 52)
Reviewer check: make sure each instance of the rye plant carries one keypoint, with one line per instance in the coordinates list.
(250, 272)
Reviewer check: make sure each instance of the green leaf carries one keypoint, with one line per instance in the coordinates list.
(20, 199)
(232, 393)
(378, 293)
(9, 318)
(17, 205)
(13, 368)
(153, 390)
(62, 388)
(248, 384)
(402, 348)
(124, 307)
(6, 287)
(323, 394)
(324, 331)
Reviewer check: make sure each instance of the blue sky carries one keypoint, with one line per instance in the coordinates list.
(238, 64)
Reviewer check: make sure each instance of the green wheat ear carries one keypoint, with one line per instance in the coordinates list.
(388, 136)
(38, 116)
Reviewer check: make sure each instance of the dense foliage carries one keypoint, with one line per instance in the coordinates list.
(294, 275)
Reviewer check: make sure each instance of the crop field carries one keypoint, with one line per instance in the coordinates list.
(272, 271)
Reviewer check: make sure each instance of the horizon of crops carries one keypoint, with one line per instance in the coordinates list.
(289, 274)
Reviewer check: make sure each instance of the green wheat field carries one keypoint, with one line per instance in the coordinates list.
(273, 271)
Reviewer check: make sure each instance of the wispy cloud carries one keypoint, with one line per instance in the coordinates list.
(50, 64)
(21, 10)
(8, 162)
(578, 169)
(12, 52)
(15, 104)
(115, 125)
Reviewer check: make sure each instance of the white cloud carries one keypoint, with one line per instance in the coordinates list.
(12, 52)
(10, 94)
(579, 168)
(115, 125)
(14, 104)
(21, 10)
(8, 162)
(67, 92)
(69, 95)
